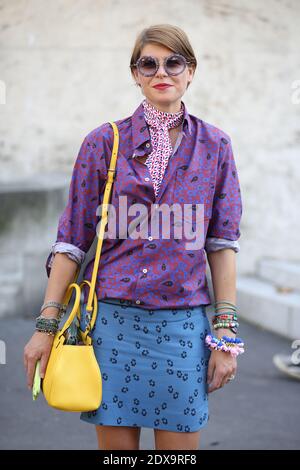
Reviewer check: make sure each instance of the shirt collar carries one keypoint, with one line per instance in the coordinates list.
(141, 134)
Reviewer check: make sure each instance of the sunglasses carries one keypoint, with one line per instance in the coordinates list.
(173, 64)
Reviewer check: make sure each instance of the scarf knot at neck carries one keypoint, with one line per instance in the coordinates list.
(161, 119)
(159, 124)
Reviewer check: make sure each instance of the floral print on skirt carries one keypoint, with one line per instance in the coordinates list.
(153, 365)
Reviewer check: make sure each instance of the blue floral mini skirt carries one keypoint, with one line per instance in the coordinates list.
(153, 365)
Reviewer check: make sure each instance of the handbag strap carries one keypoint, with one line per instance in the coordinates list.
(107, 191)
(104, 215)
(76, 310)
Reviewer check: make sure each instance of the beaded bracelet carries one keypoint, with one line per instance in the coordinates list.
(46, 329)
(225, 319)
(235, 348)
(47, 321)
(232, 345)
(47, 324)
(223, 316)
(54, 319)
(229, 339)
(225, 324)
(49, 333)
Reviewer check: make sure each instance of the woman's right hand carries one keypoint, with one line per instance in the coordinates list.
(38, 347)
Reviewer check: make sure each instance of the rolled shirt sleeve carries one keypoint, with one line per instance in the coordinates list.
(216, 244)
(78, 223)
(227, 203)
(71, 251)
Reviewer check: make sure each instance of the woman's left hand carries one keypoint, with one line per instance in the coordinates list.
(221, 367)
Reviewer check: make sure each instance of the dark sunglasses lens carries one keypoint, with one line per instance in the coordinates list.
(175, 65)
(147, 66)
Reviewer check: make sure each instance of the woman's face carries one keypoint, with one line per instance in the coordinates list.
(168, 99)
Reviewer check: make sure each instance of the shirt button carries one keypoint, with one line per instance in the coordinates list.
(145, 270)
(147, 179)
(147, 145)
(150, 238)
(138, 301)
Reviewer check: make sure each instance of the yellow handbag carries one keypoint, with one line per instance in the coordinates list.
(73, 380)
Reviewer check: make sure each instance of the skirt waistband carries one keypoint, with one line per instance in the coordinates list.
(115, 301)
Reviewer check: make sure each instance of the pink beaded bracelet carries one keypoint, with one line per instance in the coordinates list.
(221, 345)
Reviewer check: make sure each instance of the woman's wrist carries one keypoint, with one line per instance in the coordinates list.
(224, 332)
(225, 325)
(234, 346)
(51, 313)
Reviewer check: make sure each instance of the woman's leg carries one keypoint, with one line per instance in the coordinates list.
(165, 440)
(118, 437)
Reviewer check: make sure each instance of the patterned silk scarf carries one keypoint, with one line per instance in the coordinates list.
(159, 123)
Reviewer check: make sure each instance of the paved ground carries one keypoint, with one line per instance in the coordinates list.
(260, 409)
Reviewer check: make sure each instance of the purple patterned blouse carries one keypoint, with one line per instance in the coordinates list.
(161, 269)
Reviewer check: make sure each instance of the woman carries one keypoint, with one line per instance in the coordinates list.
(151, 337)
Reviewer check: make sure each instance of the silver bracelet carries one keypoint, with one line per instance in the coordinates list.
(51, 303)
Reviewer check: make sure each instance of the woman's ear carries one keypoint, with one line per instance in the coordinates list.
(135, 74)
(135, 77)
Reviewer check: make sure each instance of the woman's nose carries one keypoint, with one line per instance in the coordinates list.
(161, 71)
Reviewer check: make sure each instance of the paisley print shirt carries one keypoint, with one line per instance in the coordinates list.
(162, 269)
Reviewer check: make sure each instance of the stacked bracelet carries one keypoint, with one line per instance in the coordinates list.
(50, 325)
(226, 319)
(234, 346)
(47, 325)
(51, 303)
(225, 324)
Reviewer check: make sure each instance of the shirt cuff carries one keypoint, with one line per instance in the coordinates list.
(215, 244)
(72, 251)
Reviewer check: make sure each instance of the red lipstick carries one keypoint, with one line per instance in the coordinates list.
(161, 86)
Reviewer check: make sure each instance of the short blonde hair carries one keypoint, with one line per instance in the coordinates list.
(167, 35)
